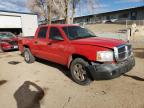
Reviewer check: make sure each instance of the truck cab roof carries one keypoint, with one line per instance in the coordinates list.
(59, 25)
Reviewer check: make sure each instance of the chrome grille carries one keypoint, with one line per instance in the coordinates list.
(122, 52)
(121, 49)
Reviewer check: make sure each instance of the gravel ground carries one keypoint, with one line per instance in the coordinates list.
(61, 92)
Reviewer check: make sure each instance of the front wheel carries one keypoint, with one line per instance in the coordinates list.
(28, 57)
(79, 71)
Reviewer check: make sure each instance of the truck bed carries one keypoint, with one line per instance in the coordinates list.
(22, 40)
(31, 37)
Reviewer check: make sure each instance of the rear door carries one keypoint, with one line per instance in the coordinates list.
(40, 42)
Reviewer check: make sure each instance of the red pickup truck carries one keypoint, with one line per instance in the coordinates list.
(87, 56)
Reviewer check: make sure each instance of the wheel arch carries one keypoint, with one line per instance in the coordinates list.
(74, 56)
(30, 55)
(25, 46)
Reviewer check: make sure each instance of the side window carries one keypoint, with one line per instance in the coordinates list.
(55, 34)
(42, 32)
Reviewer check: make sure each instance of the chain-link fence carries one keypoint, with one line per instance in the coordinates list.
(129, 23)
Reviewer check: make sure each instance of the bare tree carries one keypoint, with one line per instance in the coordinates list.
(92, 5)
(66, 10)
(48, 9)
(58, 8)
(74, 4)
(39, 7)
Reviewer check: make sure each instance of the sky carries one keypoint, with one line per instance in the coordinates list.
(14, 5)
(96, 6)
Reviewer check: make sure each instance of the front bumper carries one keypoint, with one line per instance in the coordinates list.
(109, 71)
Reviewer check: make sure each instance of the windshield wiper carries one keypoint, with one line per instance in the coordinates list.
(83, 37)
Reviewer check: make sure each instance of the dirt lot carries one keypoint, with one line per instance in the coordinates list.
(60, 92)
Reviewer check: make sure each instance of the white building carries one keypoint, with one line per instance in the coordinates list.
(18, 22)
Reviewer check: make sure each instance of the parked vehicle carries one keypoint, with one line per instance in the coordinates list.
(8, 41)
(114, 20)
(106, 21)
(88, 57)
(110, 21)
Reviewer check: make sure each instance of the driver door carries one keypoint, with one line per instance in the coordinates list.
(57, 46)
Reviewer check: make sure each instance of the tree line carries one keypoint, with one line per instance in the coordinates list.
(48, 9)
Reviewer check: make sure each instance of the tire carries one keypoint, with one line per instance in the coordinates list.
(28, 57)
(1, 50)
(79, 72)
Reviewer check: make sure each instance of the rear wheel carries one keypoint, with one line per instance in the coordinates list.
(1, 50)
(28, 57)
(79, 72)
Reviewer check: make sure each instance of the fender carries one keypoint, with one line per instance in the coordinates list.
(69, 61)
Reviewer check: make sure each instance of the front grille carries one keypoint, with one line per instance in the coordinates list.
(13, 43)
(122, 52)
(121, 56)
(121, 49)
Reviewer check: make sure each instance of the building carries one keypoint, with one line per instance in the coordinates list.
(135, 13)
(18, 22)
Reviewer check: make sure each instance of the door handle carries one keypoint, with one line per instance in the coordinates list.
(49, 43)
(36, 42)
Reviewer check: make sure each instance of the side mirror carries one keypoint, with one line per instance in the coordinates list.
(58, 38)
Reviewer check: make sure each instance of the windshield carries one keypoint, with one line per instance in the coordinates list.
(77, 32)
(6, 35)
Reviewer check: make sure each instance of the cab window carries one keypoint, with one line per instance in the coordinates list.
(55, 34)
(42, 33)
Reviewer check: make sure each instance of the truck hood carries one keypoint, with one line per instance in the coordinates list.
(99, 41)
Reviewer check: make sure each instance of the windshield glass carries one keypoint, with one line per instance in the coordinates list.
(77, 32)
(6, 35)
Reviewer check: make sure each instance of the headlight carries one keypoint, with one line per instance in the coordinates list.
(104, 56)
